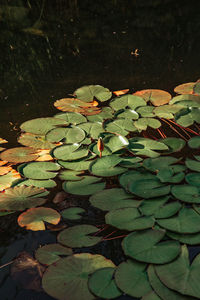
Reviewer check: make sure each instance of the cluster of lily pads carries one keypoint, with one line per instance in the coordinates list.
(97, 147)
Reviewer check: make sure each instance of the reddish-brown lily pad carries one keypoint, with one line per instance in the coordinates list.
(19, 154)
(156, 97)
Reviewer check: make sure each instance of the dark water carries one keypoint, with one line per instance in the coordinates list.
(82, 43)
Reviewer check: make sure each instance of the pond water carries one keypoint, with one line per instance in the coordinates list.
(116, 45)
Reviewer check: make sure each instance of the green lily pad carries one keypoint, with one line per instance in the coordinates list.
(167, 175)
(131, 162)
(158, 163)
(132, 176)
(174, 144)
(131, 278)
(88, 92)
(180, 276)
(143, 123)
(180, 99)
(71, 105)
(93, 130)
(76, 165)
(193, 179)
(22, 197)
(145, 146)
(127, 114)
(187, 221)
(86, 186)
(68, 135)
(49, 254)
(146, 246)
(35, 141)
(73, 273)
(166, 111)
(72, 213)
(194, 142)
(42, 125)
(34, 218)
(40, 170)
(113, 198)
(70, 152)
(106, 113)
(190, 239)
(46, 183)
(79, 236)
(186, 117)
(120, 126)
(151, 296)
(146, 111)
(102, 284)
(127, 101)
(188, 88)
(19, 154)
(106, 166)
(156, 97)
(186, 193)
(71, 117)
(70, 175)
(161, 289)
(192, 164)
(128, 218)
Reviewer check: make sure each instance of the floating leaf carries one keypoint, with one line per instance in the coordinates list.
(174, 144)
(49, 254)
(79, 236)
(71, 105)
(127, 101)
(146, 246)
(131, 278)
(190, 239)
(8, 179)
(156, 97)
(132, 176)
(88, 92)
(34, 218)
(145, 146)
(192, 164)
(151, 296)
(128, 114)
(42, 125)
(121, 92)
(19, 154)
(93, 130)
(185, 99)
(22, 197)
(188, 88)
(162, 289)
(40, 170)
(166, 111)
(194, 142)
(72, 213)
(102, 284)
(112, 199)
(146, 111)
(187, 221)
(193, 179)
(70, 175)
(159, 163)
(86, 186)
(76, 165)
(106, 166)
(120, 126)
(4, 170)
(35, 141)
(70, 152)
(186, 193)
(68, 135)
(180, 276)
(143, 123)
(128, 218)
(71, 117)
(73, 272)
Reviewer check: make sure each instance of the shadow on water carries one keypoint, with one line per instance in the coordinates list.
(48, 50)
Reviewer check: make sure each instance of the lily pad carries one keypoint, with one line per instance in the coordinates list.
(120, 126)
(73, 273)
(71, 117)
(86, 186)
(188, 88)
(48, 183)
(8, 179)
(166, 111)
(127, 101)
(113, 198)
(68, 135)
(190, 239)
(143, 123)
(19, 154)
(193, 179)
(158, 163)
(106, 166)
(34, 218)
(131, 278)
(174, 144)
(187, 221)
(40, 170)
(106, 113)
(102, 284)
(71, 105)
(88, 92)
(194, 142)
(145, 146)
(146, 111)
(49, 254)
(128, 218)
(76, 165)
(35, 141)
(70, 152)
(70, 175)
(192, 164)
(93, 130)
(127, 114)
(180, 276)
(186, 193)
(147, 246)
(79, 236)
(156, 97)
(22, 197)
(72, 213)
(42, 125)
